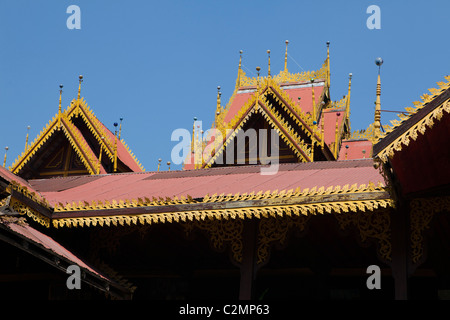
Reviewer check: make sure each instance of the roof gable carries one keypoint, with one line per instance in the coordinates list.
(87, 136)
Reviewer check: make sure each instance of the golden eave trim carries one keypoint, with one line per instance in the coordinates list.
(412, 133)
(229, 213)
(262, 204)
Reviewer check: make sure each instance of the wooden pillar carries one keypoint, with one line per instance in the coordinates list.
(400, 251)
(248, 266)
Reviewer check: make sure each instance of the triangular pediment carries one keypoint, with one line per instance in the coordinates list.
(75, 142)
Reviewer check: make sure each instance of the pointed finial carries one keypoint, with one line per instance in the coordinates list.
(328, 64)
(120, 127)
(159, 163)
(238, 80)
(285, 56)
(26, 139)
(377, 118)
(80, 80)
(268, 70)
(4, 160)
(193, 135)
(59, 107)
(348, 95)
(168, 163)
(218, 108)
(257, 79)
(115, 147)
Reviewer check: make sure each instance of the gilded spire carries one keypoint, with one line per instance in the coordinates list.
(4, 160)
(193, 135)
(285, 56)
(348, 95)
(115, 147)
(268, 70)
(257, 79)
(26, 139)
(80, 80)
(328, 63)
(336, 136)
(218, 108)
(238, 81)
(168, 163)
(377, 118)
(59, 107)
(159, 163)
(120, 127)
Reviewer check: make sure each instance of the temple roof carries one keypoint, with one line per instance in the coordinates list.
(297, 106)
(86, 136)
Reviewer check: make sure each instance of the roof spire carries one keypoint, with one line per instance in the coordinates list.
(257, 79)
(193, 135)
(348, 95)
(377, 119)
(285, 56)
(218, 108)
(238, 81)
(159, 163)
(26, 140)
(4, 160)
(80, 80)
(336, 136)
(328, 63)
(115, 147)
(268, 72)
(313, 101)
(120, 127)
(59, 108)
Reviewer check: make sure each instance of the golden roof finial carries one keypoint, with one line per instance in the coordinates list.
(159, 163)
(328, 64)
(238, 81)
(168, 163)
(115, 147)
(348, 95)
(336, 137)
(257, 79)
(4, 160)
(313, 101)
(193, 135)
(285, 56)
(377, 118)
(268, 70)
(59, 108)
(26, 140)
(218, 108)
(120, 127)
(80, 80)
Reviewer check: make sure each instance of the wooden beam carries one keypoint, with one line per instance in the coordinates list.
(248, 266)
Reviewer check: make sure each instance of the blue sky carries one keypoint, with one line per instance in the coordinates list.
(157, 64)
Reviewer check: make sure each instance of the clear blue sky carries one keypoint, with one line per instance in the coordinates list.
(157, 64)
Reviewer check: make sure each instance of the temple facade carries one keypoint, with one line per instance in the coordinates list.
(280, 199)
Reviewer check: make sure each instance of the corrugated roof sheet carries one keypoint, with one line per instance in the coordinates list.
(198, 183)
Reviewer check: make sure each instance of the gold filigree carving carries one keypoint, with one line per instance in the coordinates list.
(276, 230)
(221, 232)
(25, 210)
(371, 225)
(421, 213)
